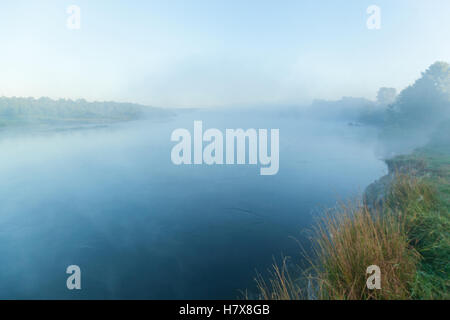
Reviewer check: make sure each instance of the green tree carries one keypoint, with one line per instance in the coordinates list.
(426, 102)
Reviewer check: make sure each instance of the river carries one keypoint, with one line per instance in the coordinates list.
(110, 200)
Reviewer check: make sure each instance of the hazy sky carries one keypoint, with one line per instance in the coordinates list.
(216, 53)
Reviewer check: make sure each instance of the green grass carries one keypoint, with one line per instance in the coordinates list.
(424, 200)
(408, 238)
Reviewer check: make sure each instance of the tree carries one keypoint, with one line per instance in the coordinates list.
(426, 102)
(386, 96)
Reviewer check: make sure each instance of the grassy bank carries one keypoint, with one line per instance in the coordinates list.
(405, 232)
(424, 199)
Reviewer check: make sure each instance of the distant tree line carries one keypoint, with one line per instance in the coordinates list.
(63, 109)
(422, 105)
(421, 113)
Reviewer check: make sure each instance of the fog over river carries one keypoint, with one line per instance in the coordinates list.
(111, 201)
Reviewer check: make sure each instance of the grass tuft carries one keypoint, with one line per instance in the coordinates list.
(408, 238)
(281, 285)
(351, 240)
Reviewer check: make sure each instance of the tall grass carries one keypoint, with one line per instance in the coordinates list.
(427, 224)
(348, 242)
(408, 239)
(281, 285)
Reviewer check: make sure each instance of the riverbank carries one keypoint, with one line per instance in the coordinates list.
(417, 192)
(402, 226)
(421, 193)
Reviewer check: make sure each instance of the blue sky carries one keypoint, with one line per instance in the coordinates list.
(202, 53)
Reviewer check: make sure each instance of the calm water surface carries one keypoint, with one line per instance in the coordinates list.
(111, 201)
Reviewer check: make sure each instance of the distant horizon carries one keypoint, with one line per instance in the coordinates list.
(265, 104)
(215, 53)
(235, 105)
(255, 105)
